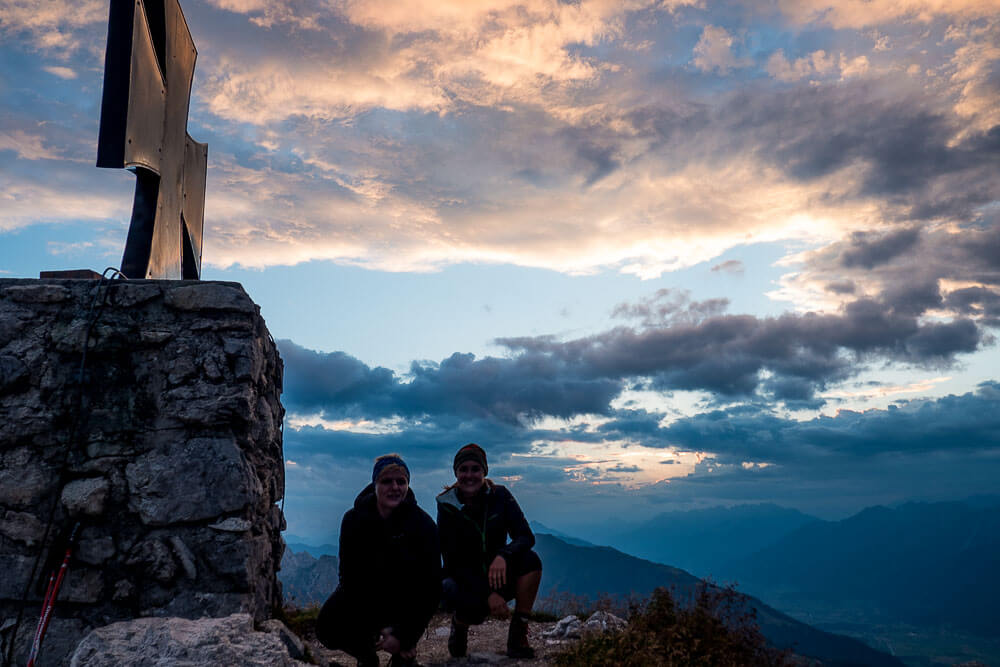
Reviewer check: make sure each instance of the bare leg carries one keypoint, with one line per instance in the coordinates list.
(526, 591)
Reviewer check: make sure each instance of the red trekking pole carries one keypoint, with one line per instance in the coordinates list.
(55, 581)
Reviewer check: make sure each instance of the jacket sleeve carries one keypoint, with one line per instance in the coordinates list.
(350, 560)
(427, 595)
(447, 536)
(521, 537)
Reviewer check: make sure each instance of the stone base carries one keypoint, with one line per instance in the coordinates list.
(169, 454)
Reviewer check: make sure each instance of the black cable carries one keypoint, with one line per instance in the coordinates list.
(92, 317)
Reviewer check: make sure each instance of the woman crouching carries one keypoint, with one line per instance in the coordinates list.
(483, 571)
(390, 572)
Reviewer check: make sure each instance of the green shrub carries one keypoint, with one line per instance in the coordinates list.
(717, 629)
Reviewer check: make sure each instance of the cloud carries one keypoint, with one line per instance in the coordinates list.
(733, 266)
(52, 26)
(671, 307)
(714, 51)
(950, 271)
(864, 13)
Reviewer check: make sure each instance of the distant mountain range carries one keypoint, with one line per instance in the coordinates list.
(927, 564)
(592, 571)
(707, 542)
(920, 579)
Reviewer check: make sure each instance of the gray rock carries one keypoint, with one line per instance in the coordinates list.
(21, 527)
(82, 585)
(185, 557)
(154, 559)
(568, 627)
(136, 294)
(190, 481)
(23, 478)
(95, 551)
(602, 621)
(210, 296)
(123, 590)
(86, 496)
(182, 642)
(484, 658)
(296, 647)
(16, 569)
(42, 293)
(155, 337)
(232, 525)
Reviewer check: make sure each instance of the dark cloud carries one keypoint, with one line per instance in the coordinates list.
(729, 266)
(868, 250)
(727, 354)
(970, 422)
(508, 390)
(670, 306)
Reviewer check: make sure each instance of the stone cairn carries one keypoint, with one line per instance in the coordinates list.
(168, 454)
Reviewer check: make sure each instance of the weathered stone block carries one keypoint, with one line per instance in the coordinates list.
(86, 496)
(21, 527)
(154, 641)
(191, 481)
(37, 293)
(211, 297)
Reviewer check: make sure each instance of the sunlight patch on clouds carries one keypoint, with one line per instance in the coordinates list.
(641, 221)
(588, 423)
(19, 205)
(27, 146)
(882, 391)
(61, 72)
(619, 463)
(380, 426)
(976, 69)
(53, 25)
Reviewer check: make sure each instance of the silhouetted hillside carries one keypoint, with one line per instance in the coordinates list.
(591, 571)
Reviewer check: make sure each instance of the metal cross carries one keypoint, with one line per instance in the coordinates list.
(148, 70)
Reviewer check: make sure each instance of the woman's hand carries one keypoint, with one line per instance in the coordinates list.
(387, 642)
(498, 573)
(498, 606)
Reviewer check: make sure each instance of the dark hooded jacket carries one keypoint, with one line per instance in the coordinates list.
(474, 533)
(391, 567)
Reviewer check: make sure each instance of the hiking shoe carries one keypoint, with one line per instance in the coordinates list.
(517, 638)
(458, 639)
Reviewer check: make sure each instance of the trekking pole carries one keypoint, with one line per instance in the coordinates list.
(55, 581)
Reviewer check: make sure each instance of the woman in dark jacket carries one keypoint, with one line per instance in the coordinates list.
(390, 572)
(483, 571)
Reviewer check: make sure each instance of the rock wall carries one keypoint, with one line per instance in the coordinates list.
(168, 454)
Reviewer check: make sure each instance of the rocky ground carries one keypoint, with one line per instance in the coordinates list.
(487, 644)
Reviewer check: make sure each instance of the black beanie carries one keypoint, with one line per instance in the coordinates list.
(471, 452)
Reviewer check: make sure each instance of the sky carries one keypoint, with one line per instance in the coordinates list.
(652, 255)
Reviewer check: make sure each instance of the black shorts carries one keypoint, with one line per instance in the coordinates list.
(468, 598)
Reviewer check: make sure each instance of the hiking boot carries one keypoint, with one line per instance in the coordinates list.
(458, 639)
(517, 637)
